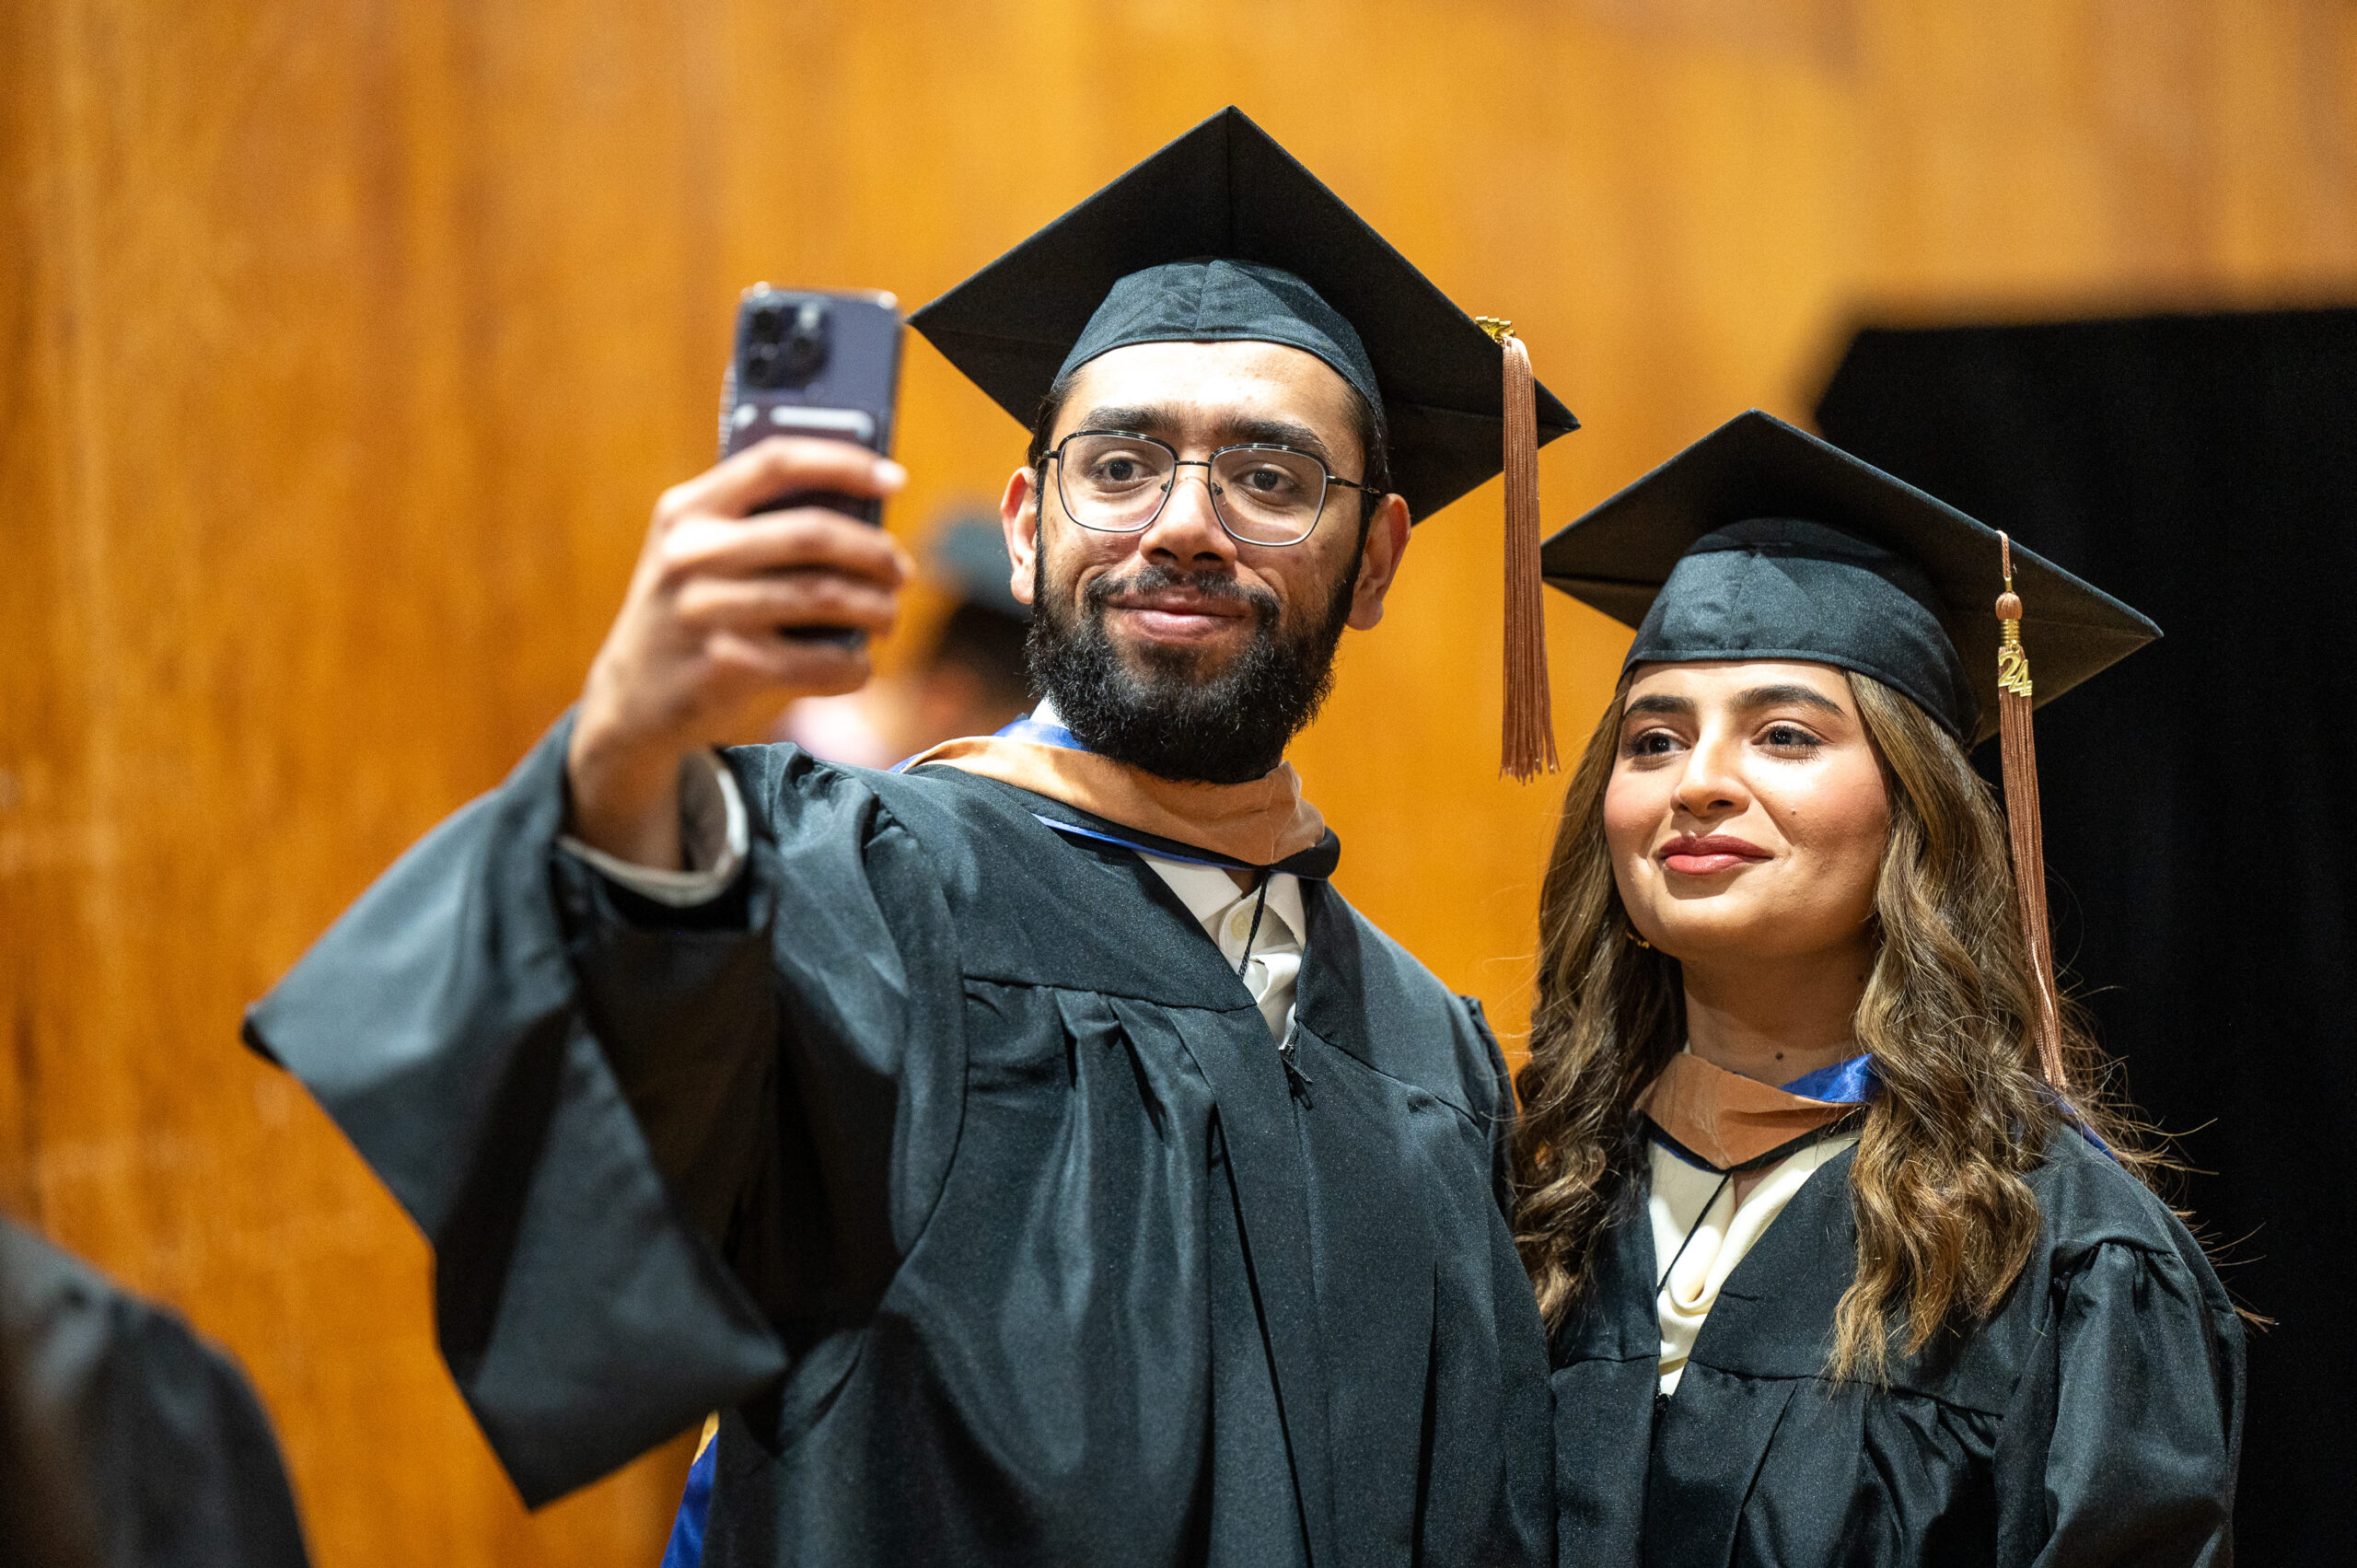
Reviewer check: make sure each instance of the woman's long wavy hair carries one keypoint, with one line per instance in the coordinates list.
(1945, 1219)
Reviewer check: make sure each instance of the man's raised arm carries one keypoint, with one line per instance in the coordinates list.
(560, 1080)
(707, 628)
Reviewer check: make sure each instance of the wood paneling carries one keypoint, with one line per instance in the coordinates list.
(347, 343)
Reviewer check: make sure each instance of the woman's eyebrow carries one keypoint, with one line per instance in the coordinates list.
(1681, 707)
(1787, 694)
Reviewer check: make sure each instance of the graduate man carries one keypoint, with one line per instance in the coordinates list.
(1028, 1152)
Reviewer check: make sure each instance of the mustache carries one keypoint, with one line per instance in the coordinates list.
(1173, 718)
(1155, 577)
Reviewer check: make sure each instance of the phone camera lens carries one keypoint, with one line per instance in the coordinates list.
(785, 342)
(805, 349)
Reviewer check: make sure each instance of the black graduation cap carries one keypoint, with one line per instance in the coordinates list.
(1225, 192)
(1762, 541)
(1223, 235)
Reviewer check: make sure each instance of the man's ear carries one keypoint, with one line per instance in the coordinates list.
(1387, 541)
(1018, 516)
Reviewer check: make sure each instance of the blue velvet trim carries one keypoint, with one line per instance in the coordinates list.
(1845, 1082)
(686, 1548)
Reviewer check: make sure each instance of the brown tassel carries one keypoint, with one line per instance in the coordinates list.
(1529, 736)
(2018, 747)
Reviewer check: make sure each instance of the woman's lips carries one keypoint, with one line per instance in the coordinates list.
(1691, 856)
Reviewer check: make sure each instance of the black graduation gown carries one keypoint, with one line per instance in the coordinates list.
(958, 1169)
(2096, 1419)
(158, 1439)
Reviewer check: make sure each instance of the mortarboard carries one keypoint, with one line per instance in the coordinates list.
(1223, 235)
(1762, 541)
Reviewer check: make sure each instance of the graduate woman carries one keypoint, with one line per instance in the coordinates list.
(1844, 1258)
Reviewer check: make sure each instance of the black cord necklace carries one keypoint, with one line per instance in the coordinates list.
(1259, 907)
(1772, 1157)
(1692, 1231)
(1297, 1079)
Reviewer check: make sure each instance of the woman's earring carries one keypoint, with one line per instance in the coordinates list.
(1629, 931)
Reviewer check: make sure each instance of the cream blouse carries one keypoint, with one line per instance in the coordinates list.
(1712, 1243)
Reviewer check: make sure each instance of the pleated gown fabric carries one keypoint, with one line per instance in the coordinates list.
(950, 1162)
(2095, 1420)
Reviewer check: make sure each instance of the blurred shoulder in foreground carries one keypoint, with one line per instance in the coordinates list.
(133, 1430)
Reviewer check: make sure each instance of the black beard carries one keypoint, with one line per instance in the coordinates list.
(1231, 728)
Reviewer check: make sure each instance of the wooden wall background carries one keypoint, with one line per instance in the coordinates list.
(343, 344)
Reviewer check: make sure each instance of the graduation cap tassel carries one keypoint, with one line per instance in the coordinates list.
(1529, 737)
(2018, 747)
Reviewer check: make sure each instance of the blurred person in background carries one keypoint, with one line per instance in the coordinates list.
(972, 679)
(41, 1521)
(130, 1442)
(1028, 1153)
(1847, 1255)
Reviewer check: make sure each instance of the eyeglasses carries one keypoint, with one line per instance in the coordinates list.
(1118, 482)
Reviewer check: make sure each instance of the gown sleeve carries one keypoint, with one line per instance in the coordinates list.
(1488, 1088)
(2146, 1387)
(577, 1096)
(1527, 1402)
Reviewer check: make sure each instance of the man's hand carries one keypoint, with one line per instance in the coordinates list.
(701, 633)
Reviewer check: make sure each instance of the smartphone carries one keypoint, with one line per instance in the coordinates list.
(814, 363)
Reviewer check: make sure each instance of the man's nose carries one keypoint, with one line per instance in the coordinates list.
(1187, 528)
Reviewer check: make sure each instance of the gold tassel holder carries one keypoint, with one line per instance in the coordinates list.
(1529, 745)
(2017, 745)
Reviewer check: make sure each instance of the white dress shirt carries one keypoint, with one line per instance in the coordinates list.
(716, 835)
(1712, 1243)
(1224, 911)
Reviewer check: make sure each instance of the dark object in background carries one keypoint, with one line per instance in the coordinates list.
(985, 635)
(971, 680)
(988, 648)
(153, 1436)
(2205, 467)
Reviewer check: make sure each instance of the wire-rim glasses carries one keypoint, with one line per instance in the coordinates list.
(1119, 480)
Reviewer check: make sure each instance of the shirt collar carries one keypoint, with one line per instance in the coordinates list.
(1210, 893)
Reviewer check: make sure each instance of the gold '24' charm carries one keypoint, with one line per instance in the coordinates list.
(2012, 668)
